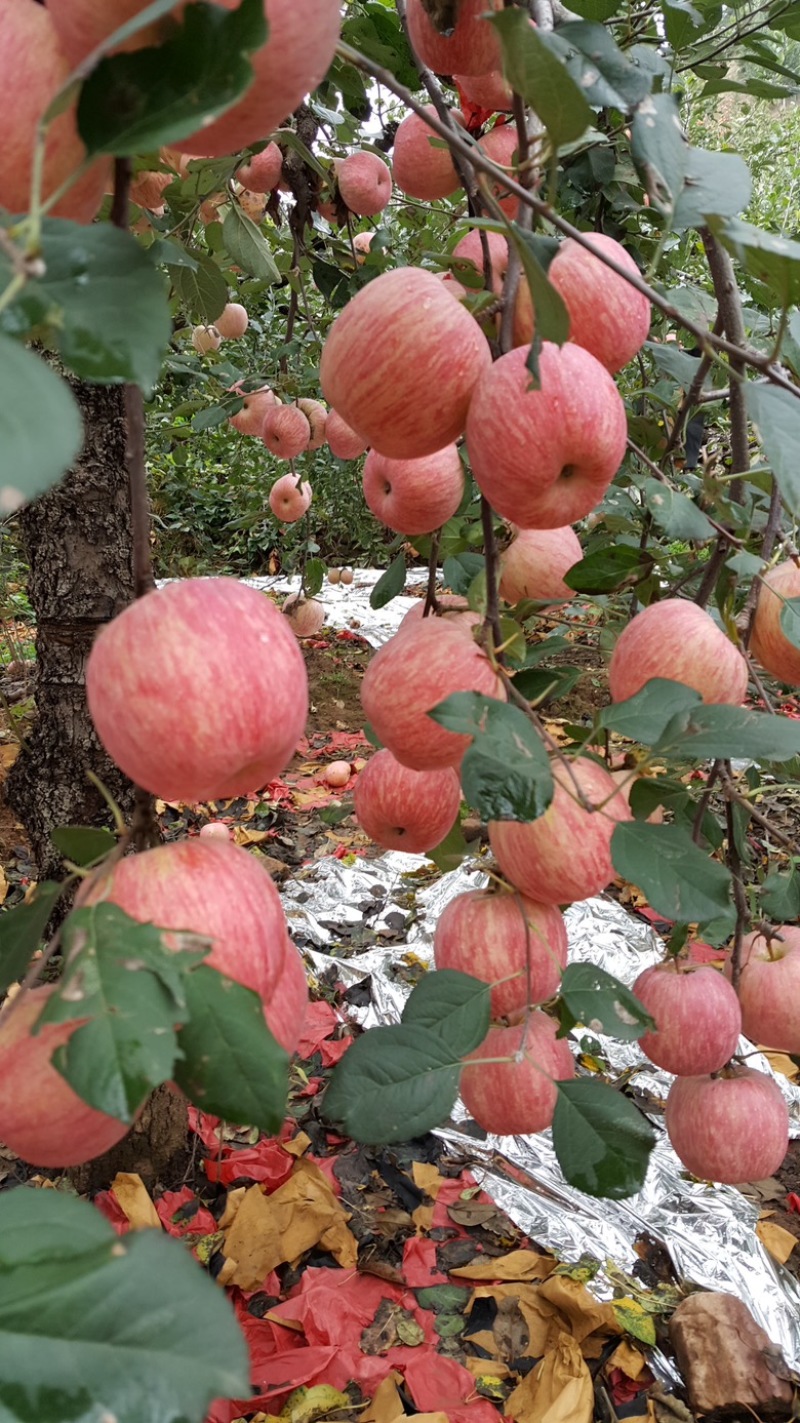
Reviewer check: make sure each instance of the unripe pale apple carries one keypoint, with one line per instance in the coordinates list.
(262, 172)
(414, 496)
(215, 830)
(365, 183)
(233, 321)
(452, 609)
(534, 564)
(566, 853)
(516, 1097)
(677, 640)
(343, 441)
(506, 940)
(488, 91)
(41, 1118)
(289, 499)
(208, 211)
(423, 167)
(346, 576)
(731, 1129)
(172, 726)
(305, 616)
(285, 431)
(147, 190)
(607, 316)
(469, 248)
(411, 674)
(769, 989)
(769, 643)
(402, 809)
(250, 419)
(302, 38)
(361, 245)
(398, 343)
(697, 1015)
(334, 575)
(338, 773)
(473, 46)
(317, 417)
(501, 144)
(32, 70)
(205, 339)
(544, 458)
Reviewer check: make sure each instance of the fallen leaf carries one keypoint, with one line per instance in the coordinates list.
(779, 1242)
(585, 1314)
(299, 1144)
(427, 1177)
(782, 1063)
(558, 1390)
(268, 1231)
(628, 1358)
(386, 1404)
(517, 1265)
(134, 1199)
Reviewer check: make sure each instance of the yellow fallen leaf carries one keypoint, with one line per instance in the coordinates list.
(423, 1218)
(782, 1063)
(268, 1231)
(427, 1178)
(558, 1390)
(779, 1242)
(386, 1405)
(299, 1144)
(628, 1358)
(517, 1265)
(3, 885)
(133, 1197)
(636, 1320)
(242, 836)
(306, 1405)
(585, 1314)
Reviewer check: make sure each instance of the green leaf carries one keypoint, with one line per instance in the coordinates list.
(790, 621)
(776, 416)
(706, 732)
(453, 1006)
(780, 896)
(679, 880)
(81, 843)
(505, 773)
(770, 258)
(390, 583)
(21, 931)
(247, 247)
(232, 1066)
(601, 1003)
(536, 72)
(136, 102)
(603, 73)
(459, 572)
(602, 1142)
(714, 183)
(392, 1084)
(41, 431)
(92, 1326)
(597, 9)
(450, 851)
(551, 318)
(202, 292)
(443, 1299)
(379, 35)
(119, 974)
(540, 685)
(678, 516)
(645, 716)
(91, 272)
(608, 569)
(685, 184)
(314, 576)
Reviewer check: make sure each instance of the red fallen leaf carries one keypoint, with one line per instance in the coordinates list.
(205, 1126)
(793, 1202)
(335, 1306)
(168, 1206)
(333, 1052)
(311, 1088)
(342, 851)
(449, 1193)
(703, 953)
(624, 1389)
(108, 1205)
(266, 1162)
(321, 1021)
(474, 115)
(420, 1266)
(441, 1385)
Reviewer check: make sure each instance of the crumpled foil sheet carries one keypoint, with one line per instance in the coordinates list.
(709, 1231)
(347, 605)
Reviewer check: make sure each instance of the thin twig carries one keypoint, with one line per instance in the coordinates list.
(739, 896)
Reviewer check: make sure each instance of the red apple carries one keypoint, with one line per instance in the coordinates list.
(576, 425)
(469, 249)
(365, 183)
(285, 1011)
(566, 853)
(361, 245)
(232, 322)
(506, 940)
(286, 431)
(338, 773)
(769, 989)
(401, 361)
(402, 809)
(769, 642)
(41, 1118)
(198, 691)
(488, 91)
(83, 24)
(732, 1128)
(534, 564)
(677, 640)
(215, 830)
(305, 616)
(473, 46)
(409, 676)
(423, 167)
(289, 499)
(451, 609)
(697, 1015)
(262, 172)
(317, 417)
(607, 315)
(343, 441)
(250, 419)
(414, 496)
(500, 144)
(518, 1096)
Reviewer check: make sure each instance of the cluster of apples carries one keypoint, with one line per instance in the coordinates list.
(198, 692)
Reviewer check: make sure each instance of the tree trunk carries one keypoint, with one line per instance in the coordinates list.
(155, 1148)
(78, 544)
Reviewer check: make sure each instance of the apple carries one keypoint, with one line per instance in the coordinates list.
(41, 1118)
(455, 288)
(677, 640)
(365, 183)
(83, 24)
(317, 417)
(233, 322)
(423, 167)
(534, 564)
(361, 246)
(544, 458)
(215, 830)
(517, 1096)
(769, 988)
(769, 643)
(346, 576)
(507, 940)
(198, 691)
(337, 773)
(501, 145)
(566, 853)
(250, 419)
(732, 1128)
(205, 339)
(470, 249)
(334, 575)
(607, 316)
(414, 496)
(402, 809)
(697, 1015)
(32, 70)
(286, 1009)
(208, 211)
(488, 91)
(262, 172)
(343, 441)
(472, 47)
(305, 616)
(286, 431)
(147, 190)
(412, 673)
(451, 608)
(401, 361)
(289, 499)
